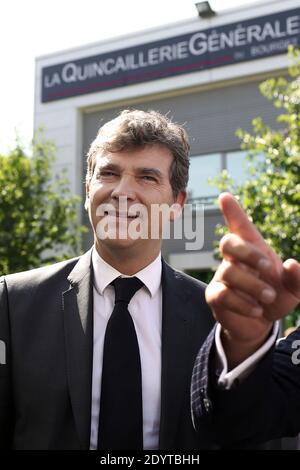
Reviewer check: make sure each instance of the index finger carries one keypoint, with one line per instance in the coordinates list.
(237, 220)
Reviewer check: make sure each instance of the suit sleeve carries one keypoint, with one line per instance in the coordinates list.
(6, 406)
(264, 406)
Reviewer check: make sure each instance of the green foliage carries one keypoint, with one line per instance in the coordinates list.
(271, 195)
(203, 275)
(38, 216)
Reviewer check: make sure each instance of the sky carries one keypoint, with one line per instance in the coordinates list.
(33, 28)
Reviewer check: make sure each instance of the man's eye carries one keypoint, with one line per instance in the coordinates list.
(148, 178)
(106, 173)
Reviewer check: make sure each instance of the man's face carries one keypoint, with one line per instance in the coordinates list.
(126, 186)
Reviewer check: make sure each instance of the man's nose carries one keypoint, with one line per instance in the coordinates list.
(125, 188)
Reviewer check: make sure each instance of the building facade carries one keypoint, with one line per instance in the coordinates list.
(203, 73)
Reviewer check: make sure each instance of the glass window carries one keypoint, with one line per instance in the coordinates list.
(237, 166)
(201, 169)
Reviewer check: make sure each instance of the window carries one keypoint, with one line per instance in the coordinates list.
(201, 169)
(236, 164)
(204, 167)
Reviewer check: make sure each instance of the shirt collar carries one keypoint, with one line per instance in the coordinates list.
(104, 274)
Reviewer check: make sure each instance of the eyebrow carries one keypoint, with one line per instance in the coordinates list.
(142, 170)
(108, 166)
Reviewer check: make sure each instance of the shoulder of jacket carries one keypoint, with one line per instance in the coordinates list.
(191, 281)
(38, 275)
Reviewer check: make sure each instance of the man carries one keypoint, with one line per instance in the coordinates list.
(252, 386)
(58, 383)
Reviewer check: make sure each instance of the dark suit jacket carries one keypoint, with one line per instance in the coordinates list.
(264, 406)
(46, 322)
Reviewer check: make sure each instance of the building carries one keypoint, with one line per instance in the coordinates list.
(203, 72)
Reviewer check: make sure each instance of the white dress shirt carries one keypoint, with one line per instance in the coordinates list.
(145, 309)
(227, 379)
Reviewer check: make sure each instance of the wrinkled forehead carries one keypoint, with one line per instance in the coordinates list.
(153, 157)
(156, 151)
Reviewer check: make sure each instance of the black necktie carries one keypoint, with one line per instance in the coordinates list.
(121, 415)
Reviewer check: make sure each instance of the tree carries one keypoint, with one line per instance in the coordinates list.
(271, 195)
(38, 216)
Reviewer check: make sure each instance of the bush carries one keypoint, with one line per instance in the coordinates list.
(38, 216)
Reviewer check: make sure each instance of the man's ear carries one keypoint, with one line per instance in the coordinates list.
(178, 204)
(181, 198)
(87, 196)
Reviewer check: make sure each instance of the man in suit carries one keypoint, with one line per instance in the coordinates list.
(252, 385)
(53, 320)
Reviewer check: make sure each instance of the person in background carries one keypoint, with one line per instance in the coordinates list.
(251, 385)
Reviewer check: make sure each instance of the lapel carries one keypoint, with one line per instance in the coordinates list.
(78, 329)
(176, 327)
